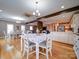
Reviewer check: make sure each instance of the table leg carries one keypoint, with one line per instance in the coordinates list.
(21, 45)
(37, 51)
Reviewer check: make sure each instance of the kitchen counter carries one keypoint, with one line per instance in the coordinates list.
(64, 37)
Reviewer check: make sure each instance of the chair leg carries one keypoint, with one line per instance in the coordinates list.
(31, 48)
(24, 52)
(50, 52)
(27, 54)
(47, 54)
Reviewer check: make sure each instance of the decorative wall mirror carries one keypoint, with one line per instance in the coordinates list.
(17, 27)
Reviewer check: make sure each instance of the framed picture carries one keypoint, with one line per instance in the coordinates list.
(61, 28)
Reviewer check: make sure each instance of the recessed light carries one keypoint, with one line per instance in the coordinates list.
(62, 6)
(18, 21)
(63, 16)
(0, 10)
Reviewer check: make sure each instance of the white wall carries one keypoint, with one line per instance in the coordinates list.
(3, 26)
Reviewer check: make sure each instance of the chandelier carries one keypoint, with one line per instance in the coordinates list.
(36, 12)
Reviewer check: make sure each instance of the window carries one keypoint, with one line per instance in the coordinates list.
(31, 27)
(10, 28)
(22, 27)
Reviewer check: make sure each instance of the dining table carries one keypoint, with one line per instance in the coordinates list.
(37, 39)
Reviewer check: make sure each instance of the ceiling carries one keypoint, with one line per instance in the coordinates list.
(15, 10)
(61, 18)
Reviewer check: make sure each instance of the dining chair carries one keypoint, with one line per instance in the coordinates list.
(27, 46)
(7, 37)
(47, 44)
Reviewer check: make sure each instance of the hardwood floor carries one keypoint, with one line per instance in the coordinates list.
(59, 51)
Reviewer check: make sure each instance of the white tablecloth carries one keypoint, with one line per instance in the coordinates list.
(37, 38)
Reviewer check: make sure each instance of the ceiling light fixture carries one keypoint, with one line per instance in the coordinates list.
(62, 6)
(17, 18)
(0, 10)
(36, 12)
(33, 13)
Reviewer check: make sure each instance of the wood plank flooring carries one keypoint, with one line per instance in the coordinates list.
(59, 51)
